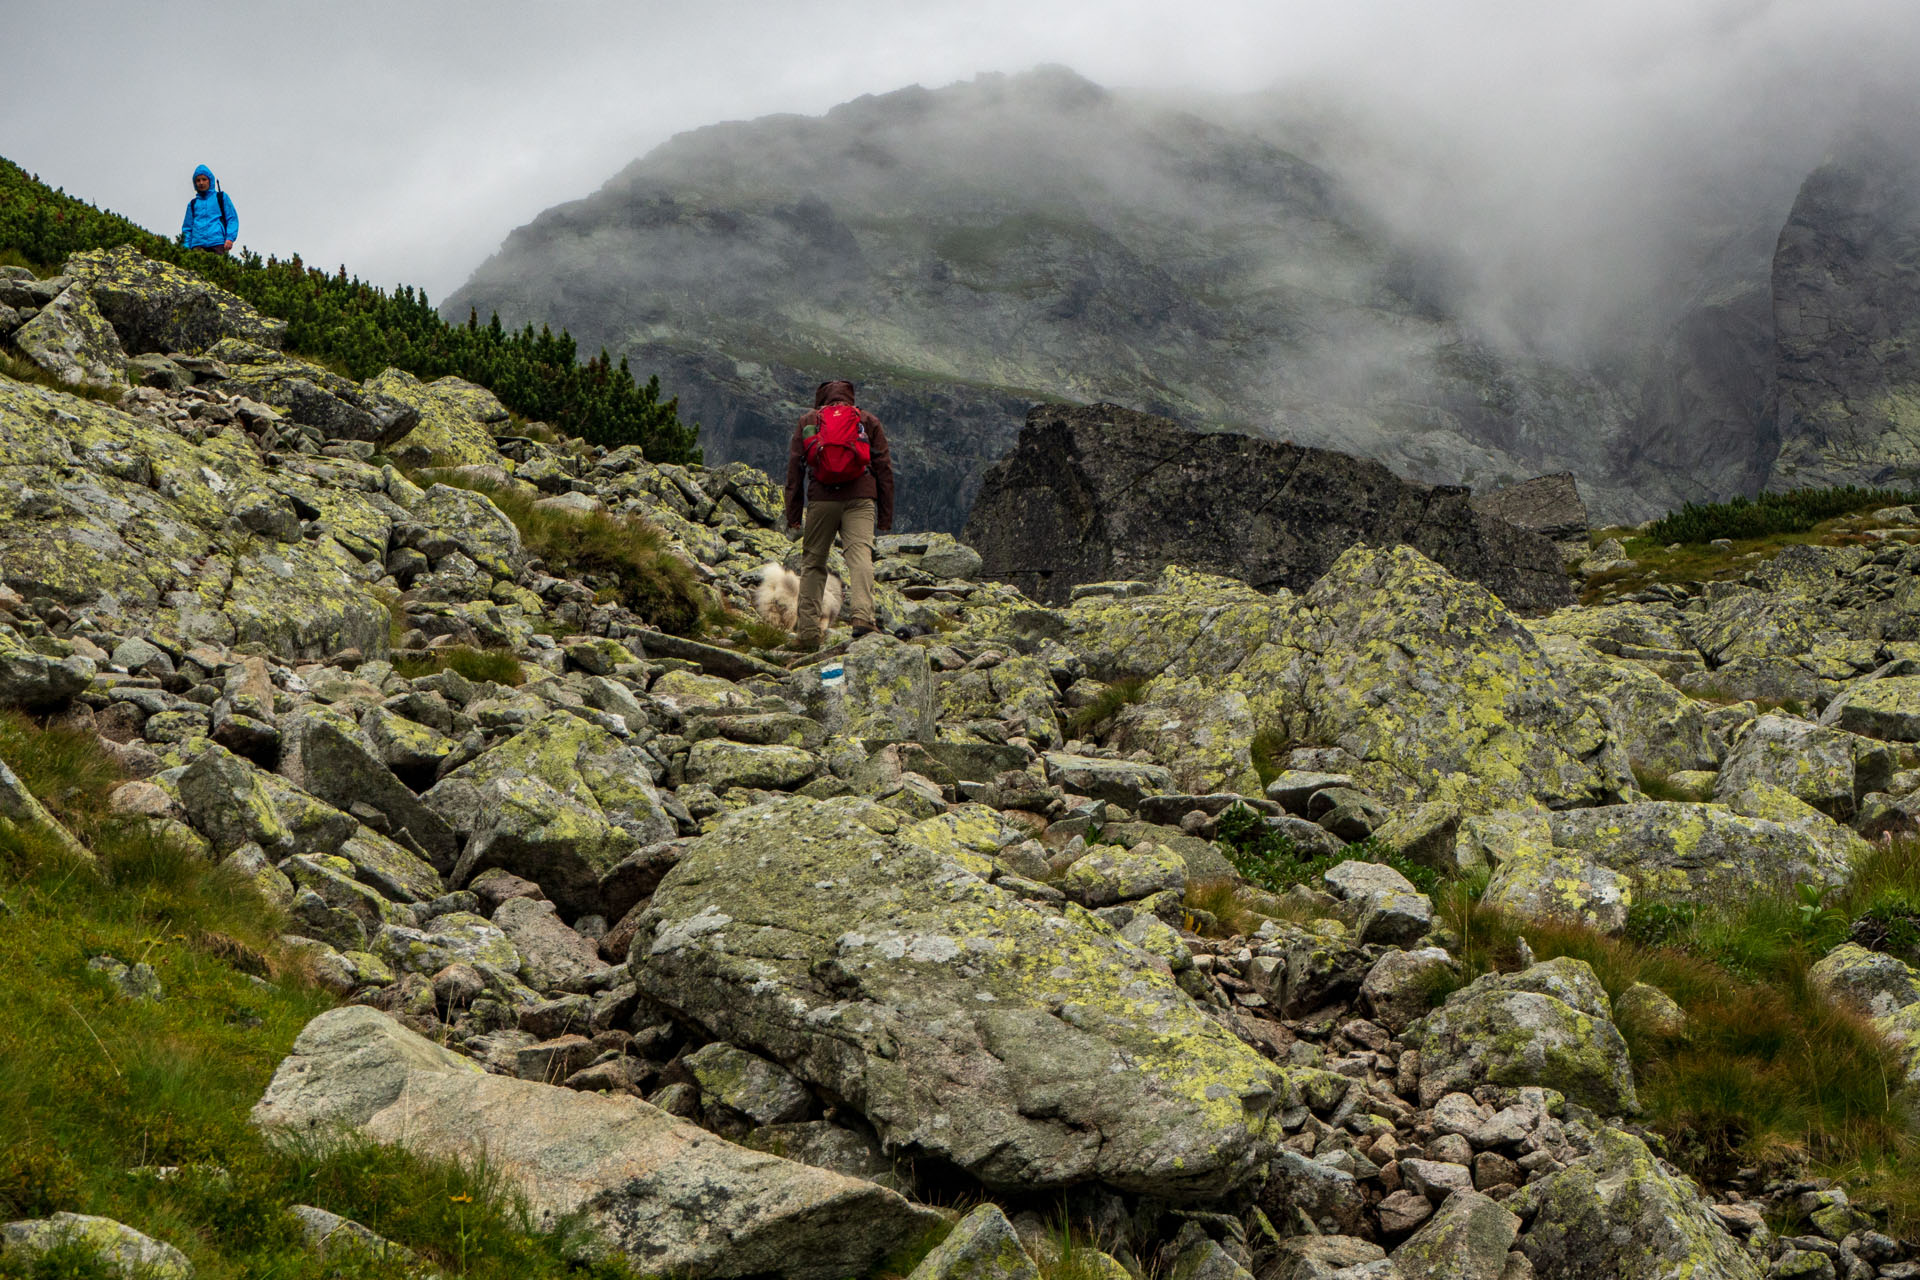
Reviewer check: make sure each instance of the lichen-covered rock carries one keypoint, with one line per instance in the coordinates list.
(1872, 983)
(1499, 1030)
(453, 427)
(227, 801)
(1438, 691)
(156, 306)
(1121, 782)
(561, 804)
(1399, 987)
(1392, 911)
(673, 1198)
(885, 692)
(1540, 882)
(749, 1084)
(1828, 768)
(981, 1246)
(1467, 1239)
(1206, 733)
(339, 408)
(1032, 1049)
(458, 937)
(71, 340)
(1662, 729)
(1887, 708)
(1111, 874)
(21, 814)
(551, 954)
(1620, 1213)
(323, 754)
(118, 1247)
(31, 681)
(721, 764)
(446, 519)
(103, 508)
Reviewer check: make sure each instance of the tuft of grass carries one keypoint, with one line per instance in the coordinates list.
(1123, 692)
(1221, 901)
(95, 1088)
(498, 665)
(624, 557)
(20, 369)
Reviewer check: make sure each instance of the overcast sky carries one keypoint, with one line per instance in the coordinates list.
(406, 139)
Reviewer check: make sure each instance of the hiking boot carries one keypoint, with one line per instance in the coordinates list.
(862, 629)
(805, 644)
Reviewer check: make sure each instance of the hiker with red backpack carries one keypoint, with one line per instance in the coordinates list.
(840, 474)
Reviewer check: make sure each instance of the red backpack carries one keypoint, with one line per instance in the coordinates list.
(839, 452)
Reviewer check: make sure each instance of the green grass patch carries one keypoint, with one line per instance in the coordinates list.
(1656, 561)
(97, 1090)
(498, 665)
(1768, 1072)
(1796, 511)
(623, 558)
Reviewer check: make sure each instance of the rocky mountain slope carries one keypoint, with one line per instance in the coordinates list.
(968, 251)
(747, 962)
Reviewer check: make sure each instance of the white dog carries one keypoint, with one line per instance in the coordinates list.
(778, 597)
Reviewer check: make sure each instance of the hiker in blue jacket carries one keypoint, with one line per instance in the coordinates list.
(211, 222)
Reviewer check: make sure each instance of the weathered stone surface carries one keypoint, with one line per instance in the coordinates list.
(982, 1246)
(670, 1196)
(1828, 768)
(1398, 986)
(1033, 1050)
(445, 519)
(156, 306)
(312, 396)
(550, 953)
(453, 427)
(1467, 1239)
(1548, 505)
(1121, 782)
(1441, 693)
(32, 681)
(1085, 495)
(749, 1084)
(22, 814)
(1111, 874)
(1887, 708)
(226, 800)
(121, 1249)
(886, 692)
(561, 803)
(71, 340)
(102, 507)
(1500, 1031)
(323, 754)
(1620, 1213)
(1536, 881)
(722, 764)
(1871, 982)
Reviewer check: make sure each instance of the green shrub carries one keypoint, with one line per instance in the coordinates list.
(1770, 513)
(360, 330)
(1275, 863)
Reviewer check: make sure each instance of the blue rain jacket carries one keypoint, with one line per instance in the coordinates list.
(211, 218)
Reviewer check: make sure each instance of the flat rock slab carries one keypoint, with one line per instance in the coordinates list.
(1033, 1050)
(668, 1194)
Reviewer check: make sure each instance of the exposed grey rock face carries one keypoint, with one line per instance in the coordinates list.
(1549, 505)
(156, 306)
(119, 1248)
(1102, 493)
(671, 1196)
(1846, 310)
(1031, 1049)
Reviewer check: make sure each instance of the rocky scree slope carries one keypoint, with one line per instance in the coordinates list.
(746, 966)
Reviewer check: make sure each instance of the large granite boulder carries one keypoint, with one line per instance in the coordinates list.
(338, 407)
(1098, 493)
(156, 306)
(1033, 1049)
(1548, 505)
(670, 1196)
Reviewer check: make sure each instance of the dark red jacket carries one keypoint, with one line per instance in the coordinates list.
(876, 484)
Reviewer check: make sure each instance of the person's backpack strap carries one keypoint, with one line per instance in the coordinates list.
(221, 197)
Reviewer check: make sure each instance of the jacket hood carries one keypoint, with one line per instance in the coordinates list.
(836, 392)
(210, 178)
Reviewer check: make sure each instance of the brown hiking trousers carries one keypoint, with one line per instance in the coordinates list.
(853, 521)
